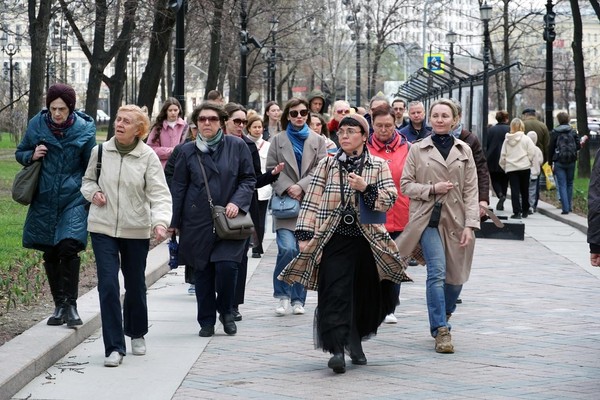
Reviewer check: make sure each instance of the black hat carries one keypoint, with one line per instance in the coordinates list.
(528, 111)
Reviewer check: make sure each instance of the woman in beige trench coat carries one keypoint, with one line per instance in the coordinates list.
(440, 177)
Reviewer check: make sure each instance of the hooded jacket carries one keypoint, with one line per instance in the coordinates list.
(538, 158)
(517, 152)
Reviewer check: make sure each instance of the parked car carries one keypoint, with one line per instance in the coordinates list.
(101, 116)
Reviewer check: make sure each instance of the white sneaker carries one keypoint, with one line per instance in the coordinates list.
(138, 346)
(113, 360)
(297, 309)
(390, 319)
(282, 307)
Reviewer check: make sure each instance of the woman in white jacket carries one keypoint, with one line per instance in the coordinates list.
(516, 158)
(130, 201)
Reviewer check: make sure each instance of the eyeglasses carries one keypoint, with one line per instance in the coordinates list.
(203, 119)
(294, 113)
(238, 121)
(342, 111)
(382, 127)
(349, 132)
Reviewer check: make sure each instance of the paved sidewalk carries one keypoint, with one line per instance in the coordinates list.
(527, 329)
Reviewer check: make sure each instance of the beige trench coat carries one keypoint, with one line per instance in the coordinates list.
(424, 167)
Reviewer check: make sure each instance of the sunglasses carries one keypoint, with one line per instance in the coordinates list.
(238, 121)
(203, 120)
(294, 113)
(342, 111)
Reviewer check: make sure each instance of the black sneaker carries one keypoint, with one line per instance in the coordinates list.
(207, 331)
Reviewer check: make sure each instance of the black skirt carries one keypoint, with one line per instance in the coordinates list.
(351, 298)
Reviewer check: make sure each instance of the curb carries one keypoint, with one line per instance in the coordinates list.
(28, 355)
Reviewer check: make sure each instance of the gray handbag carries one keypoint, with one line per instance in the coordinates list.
(26, 183)
(238, 228)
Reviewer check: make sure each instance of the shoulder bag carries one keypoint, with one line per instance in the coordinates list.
(284, 206)
(238, 228)
(26, 183)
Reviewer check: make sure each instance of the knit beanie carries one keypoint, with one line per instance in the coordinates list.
(361, 120)
(65, 92)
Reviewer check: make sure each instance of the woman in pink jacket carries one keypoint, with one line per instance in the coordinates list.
(168, 131)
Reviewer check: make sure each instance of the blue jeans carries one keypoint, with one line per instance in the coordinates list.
(441, 297)
(565, 175)
(287, 247)
(133, 322)
(215, 290)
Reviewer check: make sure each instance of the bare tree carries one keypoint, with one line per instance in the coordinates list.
(38, 32)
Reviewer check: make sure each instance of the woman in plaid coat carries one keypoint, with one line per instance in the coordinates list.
(346, 254)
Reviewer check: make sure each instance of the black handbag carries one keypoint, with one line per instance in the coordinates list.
(26, 183)
(238, 228)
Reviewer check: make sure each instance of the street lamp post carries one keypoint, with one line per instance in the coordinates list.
(10, 49)
(369, 88)
(549, 36)
(273, 58)
(486, 13)
(180, 6)
(451, 38)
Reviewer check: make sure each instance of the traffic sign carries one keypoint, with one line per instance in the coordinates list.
(432, 62)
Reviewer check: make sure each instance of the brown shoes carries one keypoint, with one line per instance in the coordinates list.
(443, 341)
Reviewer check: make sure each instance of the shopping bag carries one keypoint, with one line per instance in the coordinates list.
(26, 183)
(550, 184)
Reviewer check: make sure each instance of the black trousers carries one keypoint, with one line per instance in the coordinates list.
(260, 226)
(499, 182)
(519, 189)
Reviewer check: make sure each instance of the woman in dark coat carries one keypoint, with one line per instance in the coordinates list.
(61, 139)
(231, 179)
(496, 135)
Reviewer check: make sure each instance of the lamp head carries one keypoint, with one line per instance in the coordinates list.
(485, 12)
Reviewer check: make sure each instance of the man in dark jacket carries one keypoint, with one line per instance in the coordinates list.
(416, 129)
(533, 124)
(399, 107)
(593, 234)
(496, 135)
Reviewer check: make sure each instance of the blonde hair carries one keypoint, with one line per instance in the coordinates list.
(141, 118)
(516, 125)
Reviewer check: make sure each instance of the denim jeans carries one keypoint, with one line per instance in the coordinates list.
(287, 247)
(441, 297)
(565, 174)
(130, 256)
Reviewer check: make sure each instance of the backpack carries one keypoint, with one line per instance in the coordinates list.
(565, 151)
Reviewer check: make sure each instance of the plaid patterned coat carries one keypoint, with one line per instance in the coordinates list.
(320, 213)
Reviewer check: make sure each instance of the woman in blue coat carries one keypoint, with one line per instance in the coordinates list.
(231, 179)
(61, 139)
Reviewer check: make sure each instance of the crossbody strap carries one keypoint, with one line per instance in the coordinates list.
(210, 202)
(99, 163)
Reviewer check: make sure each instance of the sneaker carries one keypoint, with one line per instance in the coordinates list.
(500, 205)
(138, 346)
(192, 289)
(298, 309)
(282, 307)
(390, 319)
(459, 301)
(113, 360)
(443, 341)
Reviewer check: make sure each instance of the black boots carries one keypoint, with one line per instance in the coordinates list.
(337, 363)
(55, 281)
(71, 289)
(356, 351)
(500, 205)
(228, 324)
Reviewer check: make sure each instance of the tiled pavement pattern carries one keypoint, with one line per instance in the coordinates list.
(528, 328)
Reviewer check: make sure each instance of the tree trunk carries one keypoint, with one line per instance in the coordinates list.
(38, 33)
(580, 95)
(117, 82)
(162, 28)
(215, 49)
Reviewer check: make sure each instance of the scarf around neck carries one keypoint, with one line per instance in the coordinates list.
(389, 146)
(58, 130)
(209, 145)
(297, 137)
(457, 131)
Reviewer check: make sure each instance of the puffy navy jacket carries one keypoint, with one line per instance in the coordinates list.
(58, 210)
